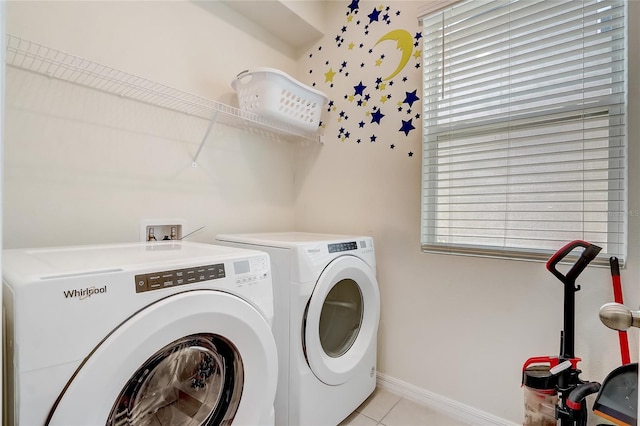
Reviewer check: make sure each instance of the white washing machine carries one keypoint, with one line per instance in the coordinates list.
(139, 334)
(327, 309)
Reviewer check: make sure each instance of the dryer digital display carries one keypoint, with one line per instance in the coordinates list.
(334, 248)
(176, 277)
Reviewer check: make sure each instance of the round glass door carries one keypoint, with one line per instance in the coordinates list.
(195, 380)
(341, 318)
(197, 357)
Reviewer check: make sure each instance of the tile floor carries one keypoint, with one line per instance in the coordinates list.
(384, 408)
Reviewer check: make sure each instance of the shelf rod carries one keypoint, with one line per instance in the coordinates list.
(204, 139)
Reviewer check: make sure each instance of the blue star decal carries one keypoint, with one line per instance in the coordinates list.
(354, 5)
(374, 16)
(361, 124)
(329, 106)
(376, 116)
(373, 138)
(407, 126)
(411, 98)
(359, 88)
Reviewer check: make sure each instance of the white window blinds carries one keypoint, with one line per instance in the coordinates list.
(524, 144)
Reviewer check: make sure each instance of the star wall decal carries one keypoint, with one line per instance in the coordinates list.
(385, 56)
(374, 16)
(328, 76)
(407, 126)
(410, 98)
(376, 116)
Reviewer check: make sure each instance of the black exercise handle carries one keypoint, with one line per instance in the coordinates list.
(588, 254)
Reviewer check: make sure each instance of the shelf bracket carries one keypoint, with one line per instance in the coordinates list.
(194, 163)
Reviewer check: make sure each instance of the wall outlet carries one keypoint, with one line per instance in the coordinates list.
(161, 229)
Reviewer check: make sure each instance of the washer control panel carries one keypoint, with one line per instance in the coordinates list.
(250, 271)
(338, 247)
(176, 277)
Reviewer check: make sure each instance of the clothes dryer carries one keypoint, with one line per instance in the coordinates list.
(327, 308)
(140, 334)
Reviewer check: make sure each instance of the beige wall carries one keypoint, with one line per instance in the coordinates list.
(85, 167)
(457, 326)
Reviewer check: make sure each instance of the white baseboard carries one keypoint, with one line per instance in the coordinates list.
(440, 403)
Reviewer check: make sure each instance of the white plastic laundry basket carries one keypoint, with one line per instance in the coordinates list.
(275, 95)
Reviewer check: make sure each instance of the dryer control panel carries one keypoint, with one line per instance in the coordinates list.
(338, 247)
(176, 277)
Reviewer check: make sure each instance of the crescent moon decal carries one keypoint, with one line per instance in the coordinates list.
(405, 44)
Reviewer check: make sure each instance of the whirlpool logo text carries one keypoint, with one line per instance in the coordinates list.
(84, 293)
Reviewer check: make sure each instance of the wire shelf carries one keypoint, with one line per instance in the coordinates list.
(41, 59)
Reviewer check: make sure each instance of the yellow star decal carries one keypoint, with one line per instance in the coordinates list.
(417, 54)
(351, 98)
(378, 62)
(349, 18)
(328, 76)
(383, 99)
(383, 86)
(351, 46)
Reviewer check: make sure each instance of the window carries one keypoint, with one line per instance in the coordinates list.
(524, 141)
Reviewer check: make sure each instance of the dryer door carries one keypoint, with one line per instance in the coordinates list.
(199, 357)
(341, 319)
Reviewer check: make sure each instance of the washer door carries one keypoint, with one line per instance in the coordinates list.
(341, 319)
(199, 357)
